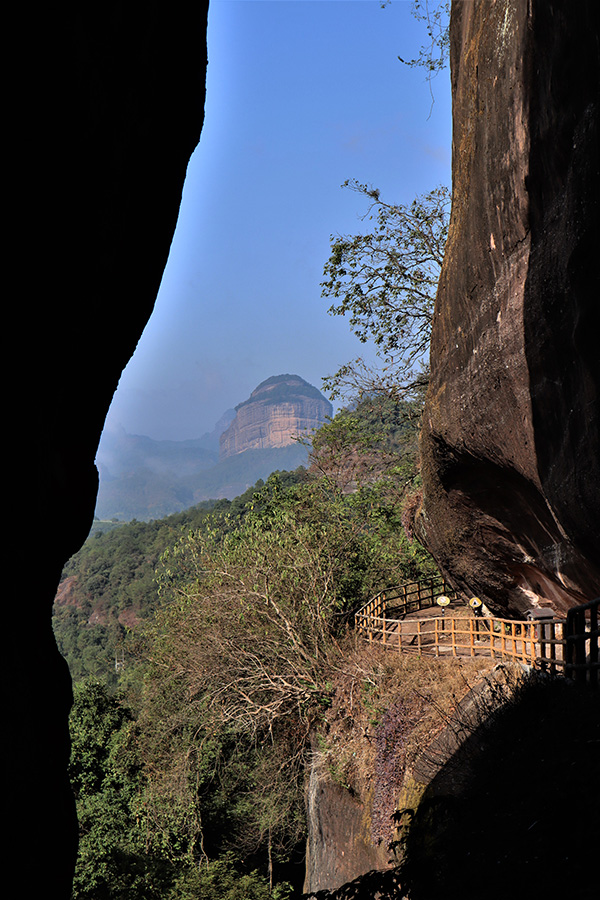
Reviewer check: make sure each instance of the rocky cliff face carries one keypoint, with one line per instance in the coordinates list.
(339, 846)
(467, 814)
(278, 410)
(510, 445)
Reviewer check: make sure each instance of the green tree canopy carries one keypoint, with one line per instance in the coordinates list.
(385, 280)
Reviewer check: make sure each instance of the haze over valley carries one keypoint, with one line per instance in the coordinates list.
(142, 478)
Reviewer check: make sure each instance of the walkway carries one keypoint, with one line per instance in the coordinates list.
(429, 618)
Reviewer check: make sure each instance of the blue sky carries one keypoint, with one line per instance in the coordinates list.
(301, 95)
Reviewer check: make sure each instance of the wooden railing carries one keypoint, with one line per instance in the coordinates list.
(569, 647)
(404, 598)
(581, 644)
(527, 642)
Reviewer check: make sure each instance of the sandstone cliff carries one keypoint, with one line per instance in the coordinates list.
(370, 758)
(278, 410)
(510, 445)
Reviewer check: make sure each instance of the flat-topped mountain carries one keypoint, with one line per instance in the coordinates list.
(146, 479)
(279, 410)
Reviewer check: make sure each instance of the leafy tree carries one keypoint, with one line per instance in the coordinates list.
(108, 586)
(122, 852)
(222, 880)
(105, 776)
(367, 441)
(279, 576)
(385, 280)
(241, 653)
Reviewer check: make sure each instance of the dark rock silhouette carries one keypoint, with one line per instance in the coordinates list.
(511, 444)
(104, 108)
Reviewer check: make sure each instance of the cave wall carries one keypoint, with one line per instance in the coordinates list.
(105, 105)
(510, 442)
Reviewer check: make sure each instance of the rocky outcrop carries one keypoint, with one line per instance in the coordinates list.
(510, 442)
(101, 130)
(278, 411)
(339, 845)
(481, 802)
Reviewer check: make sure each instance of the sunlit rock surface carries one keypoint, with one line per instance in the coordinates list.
(280, 410)
(510, 443)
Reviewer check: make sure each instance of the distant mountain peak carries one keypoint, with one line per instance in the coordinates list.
(143, 478)
(280, 409)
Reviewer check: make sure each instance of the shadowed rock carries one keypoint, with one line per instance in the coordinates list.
(104, 108)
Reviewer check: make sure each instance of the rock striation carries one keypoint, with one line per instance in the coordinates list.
(510, 442)
(279, 410)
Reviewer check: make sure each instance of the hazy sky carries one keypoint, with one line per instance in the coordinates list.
(301, 95)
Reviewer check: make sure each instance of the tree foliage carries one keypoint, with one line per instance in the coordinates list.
(105, 776)
(385, 281)
(285, 576)
(195, 786)
(131, 846)
(241, 653)
(433, 54)
(109, 585)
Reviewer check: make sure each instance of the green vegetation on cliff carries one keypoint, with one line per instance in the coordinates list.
(226, 624)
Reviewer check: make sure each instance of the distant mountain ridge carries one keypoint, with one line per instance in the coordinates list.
(146, 479)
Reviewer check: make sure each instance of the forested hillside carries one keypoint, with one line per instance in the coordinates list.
(205, 648)
(108, 587)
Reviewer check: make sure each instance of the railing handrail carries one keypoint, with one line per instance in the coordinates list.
(568, 652)
(581, 665)
(583, 606)
(425, 590)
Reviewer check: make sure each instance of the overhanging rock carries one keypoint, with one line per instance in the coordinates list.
(510, 441)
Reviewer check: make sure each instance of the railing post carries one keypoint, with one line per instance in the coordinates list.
(580, 642)
(594, 641)
(575, 645)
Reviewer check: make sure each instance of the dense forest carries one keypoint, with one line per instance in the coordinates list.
(204, 648)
